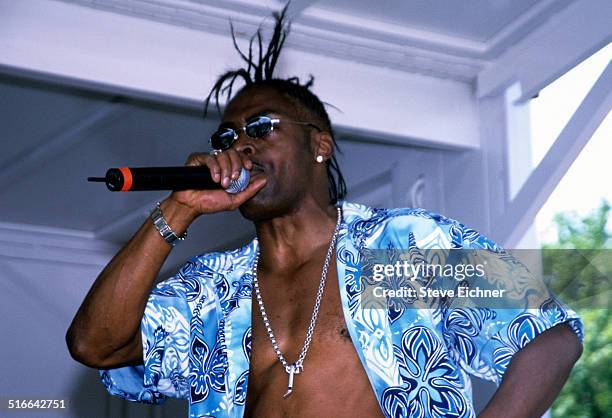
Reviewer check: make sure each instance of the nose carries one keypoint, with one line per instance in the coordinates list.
(244, 145)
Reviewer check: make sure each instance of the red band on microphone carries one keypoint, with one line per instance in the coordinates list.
(127, 179)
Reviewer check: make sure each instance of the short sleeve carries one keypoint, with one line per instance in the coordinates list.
(165, 339)
(485, 338)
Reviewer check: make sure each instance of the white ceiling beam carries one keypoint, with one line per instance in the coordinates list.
(347, 35)
(320, 31)
(521, 211)
(141, 58)
(514, 31)
(330, 32)
(51, 148)
(550, 51)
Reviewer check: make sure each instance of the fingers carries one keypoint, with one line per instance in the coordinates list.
(224, 167)
(246, 162)
(241, 197)
(231, 163)
(199, 159)
(235, 164)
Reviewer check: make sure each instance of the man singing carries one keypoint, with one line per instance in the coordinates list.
(276, 328)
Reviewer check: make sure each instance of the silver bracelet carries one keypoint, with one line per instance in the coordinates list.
(163, 228)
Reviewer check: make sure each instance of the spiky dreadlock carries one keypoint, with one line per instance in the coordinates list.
(259, 71)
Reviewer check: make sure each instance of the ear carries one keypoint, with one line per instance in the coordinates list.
(323, 145)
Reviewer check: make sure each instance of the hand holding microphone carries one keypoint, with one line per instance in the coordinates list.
(207, 184)
(224, 168)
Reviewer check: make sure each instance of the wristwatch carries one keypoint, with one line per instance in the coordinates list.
(163, 228)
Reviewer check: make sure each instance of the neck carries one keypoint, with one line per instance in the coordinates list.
(289, 240)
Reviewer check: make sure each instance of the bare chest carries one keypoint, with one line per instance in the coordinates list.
(333, 381)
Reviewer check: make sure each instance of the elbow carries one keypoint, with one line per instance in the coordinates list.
(82, 351)
(78, 351)
(98, 353)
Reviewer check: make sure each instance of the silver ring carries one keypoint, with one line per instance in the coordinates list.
(215, 152)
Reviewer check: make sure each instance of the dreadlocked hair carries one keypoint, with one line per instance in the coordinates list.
(259, 71)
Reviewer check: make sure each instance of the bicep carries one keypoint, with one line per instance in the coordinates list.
(558, 348)
(536, 374)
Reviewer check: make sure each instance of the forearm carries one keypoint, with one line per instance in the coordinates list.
(105, 330)
(106, 327)
(535, 375)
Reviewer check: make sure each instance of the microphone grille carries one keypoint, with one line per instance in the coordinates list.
(240, 183)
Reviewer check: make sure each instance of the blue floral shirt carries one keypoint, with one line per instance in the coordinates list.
(196, 330)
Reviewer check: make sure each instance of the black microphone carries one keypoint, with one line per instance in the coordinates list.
(125, 179)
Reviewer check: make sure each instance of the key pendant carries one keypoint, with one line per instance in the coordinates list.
(293, 369)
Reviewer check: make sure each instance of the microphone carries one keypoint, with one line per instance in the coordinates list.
(125, 179)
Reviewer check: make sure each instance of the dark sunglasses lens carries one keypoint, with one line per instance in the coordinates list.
(222, 139)
(259, 127)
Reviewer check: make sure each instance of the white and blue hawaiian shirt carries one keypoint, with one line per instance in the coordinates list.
(196, 330)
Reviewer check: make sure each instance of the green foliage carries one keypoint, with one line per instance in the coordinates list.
(578, 267)
(588, 392)
(587, 233)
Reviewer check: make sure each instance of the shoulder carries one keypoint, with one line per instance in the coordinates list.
(398, 226)
(355, 213)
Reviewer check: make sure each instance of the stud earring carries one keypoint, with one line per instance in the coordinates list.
(319, 158)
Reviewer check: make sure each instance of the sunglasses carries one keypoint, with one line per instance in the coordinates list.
(256, 128)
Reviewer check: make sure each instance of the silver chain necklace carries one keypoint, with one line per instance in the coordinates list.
(297, 367)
